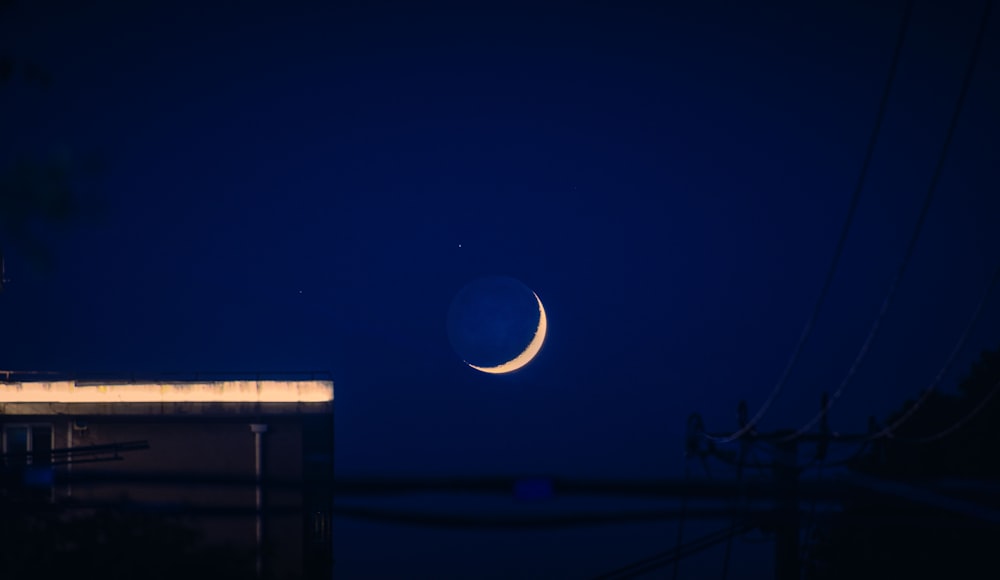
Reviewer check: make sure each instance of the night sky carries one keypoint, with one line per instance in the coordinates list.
(308, 185)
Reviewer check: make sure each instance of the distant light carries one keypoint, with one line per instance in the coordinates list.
(207, 392)
(533, 489)
(38, 477)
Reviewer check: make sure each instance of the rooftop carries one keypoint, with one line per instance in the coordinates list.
(46, 394)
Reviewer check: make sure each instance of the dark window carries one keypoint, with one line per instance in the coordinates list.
(41, 445)
(16, 444)
(27, 444)
(27, 451)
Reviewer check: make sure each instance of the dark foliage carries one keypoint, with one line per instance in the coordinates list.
(887, 538)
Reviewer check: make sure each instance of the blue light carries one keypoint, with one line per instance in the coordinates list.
(38, 477)
(533, 489)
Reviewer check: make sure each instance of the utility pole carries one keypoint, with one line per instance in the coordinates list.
(785, 471)
(786, 541)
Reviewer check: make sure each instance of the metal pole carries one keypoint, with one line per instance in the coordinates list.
(258, 431)
(69, 455)
(786, 541)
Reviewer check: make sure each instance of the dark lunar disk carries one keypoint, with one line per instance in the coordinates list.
(492, 320)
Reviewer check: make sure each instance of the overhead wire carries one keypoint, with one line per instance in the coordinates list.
(918, 228)
(845, 460)
(890, 429)
(841, 242)
(954, 427)
(660, 560)
(495, 521)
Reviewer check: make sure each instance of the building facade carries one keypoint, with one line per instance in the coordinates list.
(248, 463)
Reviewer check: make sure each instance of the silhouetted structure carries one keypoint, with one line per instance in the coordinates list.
(204, 450)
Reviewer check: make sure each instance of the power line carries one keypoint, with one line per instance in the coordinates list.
(673, 556)
(890, 429)
(911, 246)
(531, 521)
(841, 242)
(954, 427)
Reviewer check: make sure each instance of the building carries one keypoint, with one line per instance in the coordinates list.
(248, 462)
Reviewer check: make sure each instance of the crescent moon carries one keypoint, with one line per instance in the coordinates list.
(529, 353)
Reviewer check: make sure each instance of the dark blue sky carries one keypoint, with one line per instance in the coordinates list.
(307, 186)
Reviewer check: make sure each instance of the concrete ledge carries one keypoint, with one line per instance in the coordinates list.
(199, 409)
(180, 392)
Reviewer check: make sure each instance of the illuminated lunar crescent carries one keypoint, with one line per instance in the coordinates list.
(528, 353)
